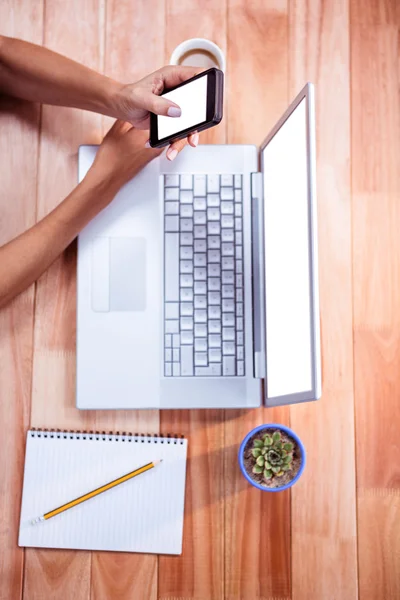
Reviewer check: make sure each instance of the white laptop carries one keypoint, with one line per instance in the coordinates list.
(198, 285)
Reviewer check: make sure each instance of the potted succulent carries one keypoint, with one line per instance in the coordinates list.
(272, 457)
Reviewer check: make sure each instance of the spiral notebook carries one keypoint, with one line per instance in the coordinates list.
(144, 514)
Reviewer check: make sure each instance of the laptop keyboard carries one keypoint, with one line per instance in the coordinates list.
(203, 276)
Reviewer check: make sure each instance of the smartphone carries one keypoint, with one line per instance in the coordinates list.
(200, 99)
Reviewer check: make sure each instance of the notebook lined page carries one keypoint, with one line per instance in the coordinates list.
(144, 514)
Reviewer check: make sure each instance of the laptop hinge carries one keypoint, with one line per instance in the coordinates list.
(258, 275)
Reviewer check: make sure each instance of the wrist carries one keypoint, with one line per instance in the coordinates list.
(100, 189)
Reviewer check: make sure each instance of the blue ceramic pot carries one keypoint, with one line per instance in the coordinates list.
(290, 433)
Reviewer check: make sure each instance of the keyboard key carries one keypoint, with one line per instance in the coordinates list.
(227, 249)
(199, 185)
(213, 200)
(186, 197)
(238, 181)
(239, 266)
(214, 298)
(168, 369)
(239, 295)
(171, 223)
(200, 260)
(228, 348)
(214, 241)
(228, 334)
(186, 295)
(171, 180)
(239, 324)
(228, 291)
(214, 284)
(214, 341)
(200, 274)
(200, 301)
(228, 320)
(214, 270)
(214, 228)
(199, 204)
(240, 352)
(171, 264)
(187, 309)
(200, 345)
(176, 339)
(227, 235)
(228, 365)
(186, 211)
(214, 312)
(238, 223)
(240, 368)
(200, 245)
(187, 239)
(214, 325)
(200, 316)
(200, 287)
(186, 266)
(168, 340)
(227, 180)
(171, 194)
(171, 310)
(186, 339)
(176, 369)
(187, 323)
(239, 237)
(214, 256)
(227, 221)
(168, 355)
(239, 338)
(213, 370)
(186, 280)
(239, 309)
(176, 355)
(200, 231)
(228, 263)
(172, 208)
(239, 252)
(227, 194)
(213, 214)
(213, 183)
(186, 252)
(228, 277)
(200, 330)
(200, 217)
(238, 210)
(214, 355)
(186, 224)
(200, 359)
(186, 182)
(187, 361)
(238, 195)
(228, 305)
(239, 280)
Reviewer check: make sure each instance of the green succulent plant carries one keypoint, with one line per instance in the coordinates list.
(272, 456)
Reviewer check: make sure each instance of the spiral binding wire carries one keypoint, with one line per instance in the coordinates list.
(105, 436)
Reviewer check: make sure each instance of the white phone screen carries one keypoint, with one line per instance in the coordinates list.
(192, 100)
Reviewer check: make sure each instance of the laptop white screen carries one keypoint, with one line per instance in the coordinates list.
(287, 258)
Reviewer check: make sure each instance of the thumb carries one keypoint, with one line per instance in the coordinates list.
(158, 105)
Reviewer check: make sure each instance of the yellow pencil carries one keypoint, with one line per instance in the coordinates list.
(96, 492)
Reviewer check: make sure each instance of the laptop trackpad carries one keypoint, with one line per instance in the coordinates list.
(119, 274)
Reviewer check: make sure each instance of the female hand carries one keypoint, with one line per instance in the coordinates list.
(134, 102)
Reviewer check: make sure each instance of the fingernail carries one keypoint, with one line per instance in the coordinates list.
(171, 154)
(195, 139)
(174, 111)
(147, 144)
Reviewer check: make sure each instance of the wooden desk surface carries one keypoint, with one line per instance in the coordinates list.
(336, 535)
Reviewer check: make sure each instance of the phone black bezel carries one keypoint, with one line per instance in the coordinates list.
(214, 108)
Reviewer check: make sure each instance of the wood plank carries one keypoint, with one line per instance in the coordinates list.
(324, 555)
(257, 524)
(376, 267)
(198, 574)
(61, 573)
(130, 27)
(19, 143)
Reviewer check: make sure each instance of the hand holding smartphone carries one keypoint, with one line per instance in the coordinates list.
(201, 102)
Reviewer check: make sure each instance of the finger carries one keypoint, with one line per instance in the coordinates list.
(175, 148)
(193, 139)
(174, 75)
(156, 104)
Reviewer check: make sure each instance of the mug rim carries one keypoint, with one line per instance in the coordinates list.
(200, 44)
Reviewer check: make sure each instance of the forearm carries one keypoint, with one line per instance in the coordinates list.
(35, 73)
(24, 259)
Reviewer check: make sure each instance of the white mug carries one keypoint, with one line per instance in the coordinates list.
(198, 44)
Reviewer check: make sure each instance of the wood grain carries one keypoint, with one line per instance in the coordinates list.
(19, 137)
(324, 558)
(257, 524)
(376, 220)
